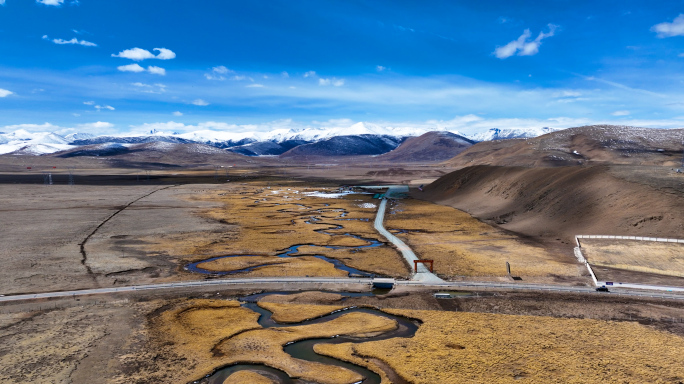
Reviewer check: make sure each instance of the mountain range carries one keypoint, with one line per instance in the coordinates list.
(357, 139)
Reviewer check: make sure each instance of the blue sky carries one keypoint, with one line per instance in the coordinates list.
(117, 66)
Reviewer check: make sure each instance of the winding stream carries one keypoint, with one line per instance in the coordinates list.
(304, 349)
(292, 250)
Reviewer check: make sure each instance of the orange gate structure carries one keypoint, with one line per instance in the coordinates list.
(424, 261)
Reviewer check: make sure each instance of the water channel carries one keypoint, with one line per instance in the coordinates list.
(294, 249)
(304, 349)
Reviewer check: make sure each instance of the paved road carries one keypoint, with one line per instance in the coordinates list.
(299, 283)
(294, 282)
(423, 274)
(422, 279)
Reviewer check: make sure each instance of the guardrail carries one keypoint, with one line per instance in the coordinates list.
(639, 238)
(580, 257)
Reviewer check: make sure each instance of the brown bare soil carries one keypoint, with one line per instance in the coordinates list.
(431, 146)
(43, 228)
(578, 146)
(554, 204)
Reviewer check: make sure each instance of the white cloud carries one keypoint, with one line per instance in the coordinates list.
(50, 2)
(136, 54)
(76, 114)
(221, 70)
(238, 78)
(89, 102)
(139, 54)
(97, 126)
(521, 46)
(156, 70)
(177, 113)
(149, 88)
(309, 74)
(217, 73)
(380, 68)
(2, 2)
(101, 107)
(620, 113)
(73, 41)
(255, 86)
(335, 82)
(675, 28)
(5, 93)
(165, 54)
(567, 94)
(137, 68)
(284, 74)
(199, 102)
(130, 68)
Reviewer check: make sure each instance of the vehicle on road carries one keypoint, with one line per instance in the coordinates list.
(602, 288)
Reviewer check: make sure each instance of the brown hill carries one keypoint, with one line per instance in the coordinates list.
(155, 153)
(431, 146)
(582, 145)
(558, 203)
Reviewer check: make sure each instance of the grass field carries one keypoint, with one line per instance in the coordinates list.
(461, 245)
(449, 347)
(455, 347)
(247, 377)
(632, 255)
(270, 218)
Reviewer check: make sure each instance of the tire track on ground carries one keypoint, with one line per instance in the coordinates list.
(84, 254)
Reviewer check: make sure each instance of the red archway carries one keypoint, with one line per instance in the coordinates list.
(424, 261)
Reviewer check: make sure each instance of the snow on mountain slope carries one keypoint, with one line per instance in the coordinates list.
(261, 142)
(78, 136)
(32, 143)
(511, 133)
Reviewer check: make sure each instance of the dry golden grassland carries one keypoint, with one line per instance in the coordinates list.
(289, 308)
(295, 313)
(265, 346)
(457, 347)
(270, 218)
(247, 377)
(346, 352)
(194, 327)
(207, 334)
(461, 245)
(640, 256)
(50, 349)
(300, 266)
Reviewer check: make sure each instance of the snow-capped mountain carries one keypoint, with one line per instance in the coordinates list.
(511, 133)
(251, 143)
(32, 143)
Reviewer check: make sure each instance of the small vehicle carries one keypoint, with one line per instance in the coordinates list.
(602, 288)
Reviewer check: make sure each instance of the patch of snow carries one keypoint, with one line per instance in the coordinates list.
(511, 133)
(162, 146)
(367, 205)
(333, 195)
